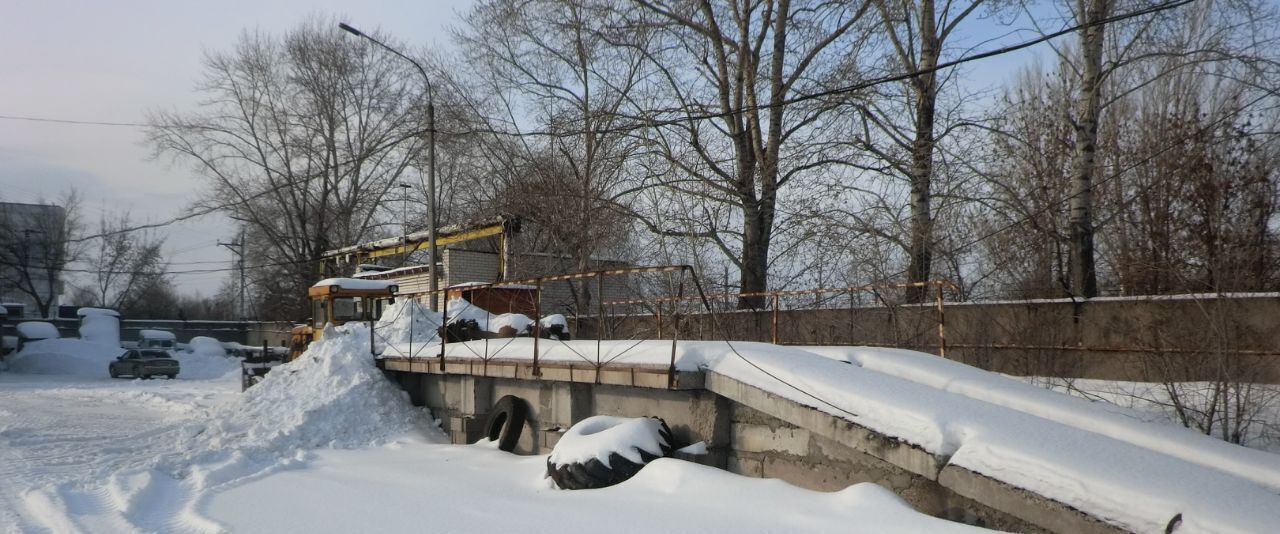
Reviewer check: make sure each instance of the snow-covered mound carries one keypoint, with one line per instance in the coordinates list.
(331, 396)
(599, 436)
(37, 330)
(64, 356)
(206, 346)
(203, 366)
(408, 320)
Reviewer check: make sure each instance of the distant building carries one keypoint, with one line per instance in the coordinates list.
(31, 243)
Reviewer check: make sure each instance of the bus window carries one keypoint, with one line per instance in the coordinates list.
(345, 309)
(319, 313)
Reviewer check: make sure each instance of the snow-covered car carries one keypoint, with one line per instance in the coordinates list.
(144, 364)
(156, 339)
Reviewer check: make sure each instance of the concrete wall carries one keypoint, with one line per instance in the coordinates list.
(1152, 339)
(249, 333)
(753, 433)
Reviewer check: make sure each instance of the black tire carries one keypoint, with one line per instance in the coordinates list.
(113, 372)
(593, 474)
(172, 376)
(506, 421)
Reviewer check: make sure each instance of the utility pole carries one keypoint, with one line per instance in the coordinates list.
(237, 247)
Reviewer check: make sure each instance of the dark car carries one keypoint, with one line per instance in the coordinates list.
(144, 364)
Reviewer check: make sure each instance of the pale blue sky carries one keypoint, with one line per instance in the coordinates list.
(114, 61)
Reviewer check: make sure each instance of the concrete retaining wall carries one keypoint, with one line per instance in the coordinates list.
(1149, 339)
(754, 433)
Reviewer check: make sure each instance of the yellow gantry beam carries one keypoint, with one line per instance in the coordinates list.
(442, 240)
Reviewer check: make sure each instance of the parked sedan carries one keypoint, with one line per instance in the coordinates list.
(144, 364)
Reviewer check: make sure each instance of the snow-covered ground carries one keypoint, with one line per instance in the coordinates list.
(326, 444)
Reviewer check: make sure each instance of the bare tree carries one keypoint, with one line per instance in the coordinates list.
(126, 264)
(555, 66)
(36, 245)
(917, 32)
(306, 134)
(728, 134)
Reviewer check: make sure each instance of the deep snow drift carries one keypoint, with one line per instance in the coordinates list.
(331, 397)
(1134, 474)
(64, 356)
(252, 464)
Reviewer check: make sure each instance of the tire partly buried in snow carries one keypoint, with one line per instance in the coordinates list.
(602, 451)
(506, 421)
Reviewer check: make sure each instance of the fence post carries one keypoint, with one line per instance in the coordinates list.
(774, 330)
(537, 323)
(444, 326)
(942, 325)
(671, 369)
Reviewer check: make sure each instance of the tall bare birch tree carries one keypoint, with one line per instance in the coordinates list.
(738, 64)
(299, 138)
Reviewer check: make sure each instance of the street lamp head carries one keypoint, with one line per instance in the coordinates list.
(347, 28)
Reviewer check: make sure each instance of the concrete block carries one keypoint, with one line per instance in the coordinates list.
(1043, 513)
(757, 438)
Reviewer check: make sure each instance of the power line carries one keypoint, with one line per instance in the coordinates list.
(72, 121)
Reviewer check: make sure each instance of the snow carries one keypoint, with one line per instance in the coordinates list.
(157, 334)
(1257, 466)
(206, 346)
(356, 284)
(64, 356)
(100, 326)
(327, 444)
(554, 319)
(413, 486)
(37, 330)
(98, 312)
(1128, 472)
(599, 436)
(80, 452)
(409, 324)
(331, 396)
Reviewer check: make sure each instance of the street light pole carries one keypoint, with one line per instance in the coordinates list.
(431, 156)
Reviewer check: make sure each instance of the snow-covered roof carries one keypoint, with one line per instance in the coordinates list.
(355, 283)
(500, 285)
(156, 334)
(385, 273)
(85, 312)
(37, 330)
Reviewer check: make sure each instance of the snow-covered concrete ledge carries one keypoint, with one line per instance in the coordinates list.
(1055, 462)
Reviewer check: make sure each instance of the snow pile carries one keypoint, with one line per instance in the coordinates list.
(599, 436)
(519, 323)
(100, 326)
(407, 320)
(157, 334)
(462, 310)
(553, 320)
(205, 363)
(206, 347)
(64, 356)
(331, 396)
(37, 330)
